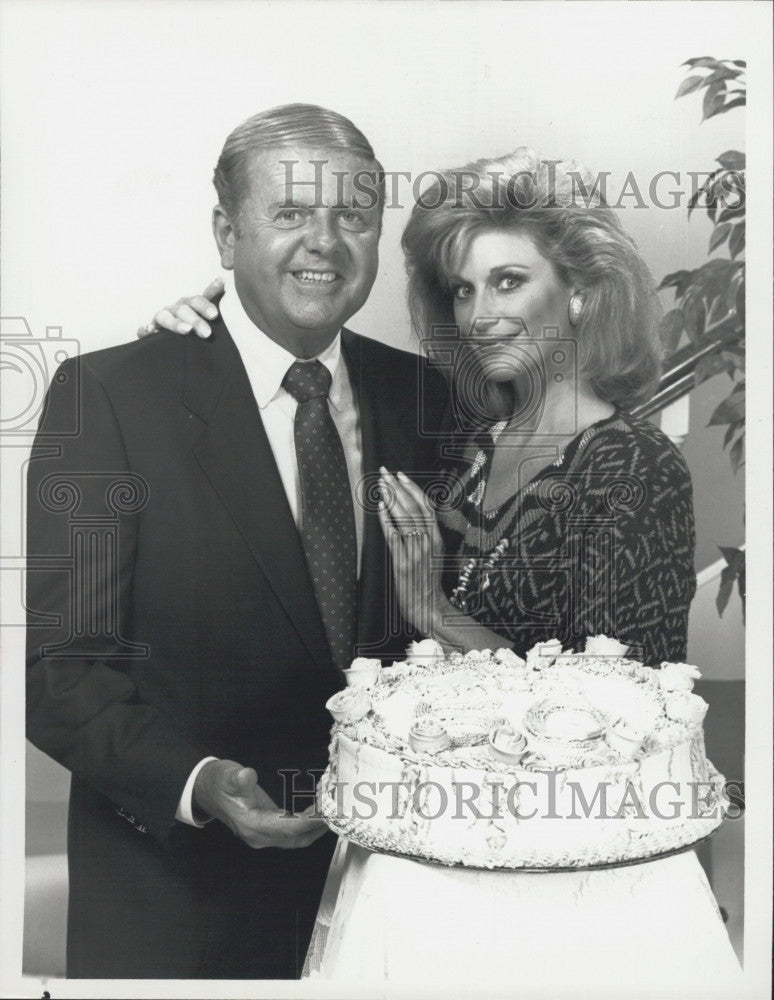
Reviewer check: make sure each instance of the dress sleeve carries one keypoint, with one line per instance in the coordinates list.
(629, 541)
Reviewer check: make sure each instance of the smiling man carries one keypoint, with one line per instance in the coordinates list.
(184, 679)
(303, 252)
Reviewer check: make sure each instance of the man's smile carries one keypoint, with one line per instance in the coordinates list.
(310, 277)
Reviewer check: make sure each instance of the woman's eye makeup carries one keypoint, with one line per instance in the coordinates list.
(500, 281)
(510, 282)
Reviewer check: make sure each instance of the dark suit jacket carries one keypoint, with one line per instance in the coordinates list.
(173, 618)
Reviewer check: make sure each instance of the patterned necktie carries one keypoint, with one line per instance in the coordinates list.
(327, 518)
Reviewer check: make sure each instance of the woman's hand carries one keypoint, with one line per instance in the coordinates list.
(187, 314)
(415, 543)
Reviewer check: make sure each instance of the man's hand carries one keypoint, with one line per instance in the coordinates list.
(231, 793)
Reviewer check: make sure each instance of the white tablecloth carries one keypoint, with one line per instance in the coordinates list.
(646, 930)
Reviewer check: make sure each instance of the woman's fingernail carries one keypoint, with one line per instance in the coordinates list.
(403, 479)
(186, 327)
(212, 312)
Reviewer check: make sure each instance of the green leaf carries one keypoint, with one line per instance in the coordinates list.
(719, 312)
(678, 280)
(734, 557)
(671, 330)
(703, 62)
(736, 241)
(713, 276)
(731, 409)
(737, 102)
(724, 591)
(719, 235)
(716, 94)
(712, 364)
(689, 84)
(734, 354)
(737, 454)
(722, 73)
(729, 332)
(693, 201)
(694, 315)
(730, 431)
(729, 190)
(740, 304)
(735, 570)
(736, 279)
(731, 213)
(732, 159)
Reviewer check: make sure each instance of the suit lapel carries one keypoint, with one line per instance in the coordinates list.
(235, 455)
(375, 415)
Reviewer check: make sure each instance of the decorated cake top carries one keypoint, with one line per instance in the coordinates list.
(488, 709)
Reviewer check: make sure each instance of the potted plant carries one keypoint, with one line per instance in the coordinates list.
(707, 323)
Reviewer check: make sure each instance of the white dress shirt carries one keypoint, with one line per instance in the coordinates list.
(267, 364)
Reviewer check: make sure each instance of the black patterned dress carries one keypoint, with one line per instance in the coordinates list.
(601, 541)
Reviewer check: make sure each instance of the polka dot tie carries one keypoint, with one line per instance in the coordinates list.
(327, 518)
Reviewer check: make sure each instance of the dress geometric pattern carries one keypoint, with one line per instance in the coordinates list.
(600, 542)
(327, 518)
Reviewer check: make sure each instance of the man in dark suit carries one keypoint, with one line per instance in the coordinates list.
(196, 582)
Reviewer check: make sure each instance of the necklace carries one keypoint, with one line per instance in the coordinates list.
(459, 596)
(484, 564)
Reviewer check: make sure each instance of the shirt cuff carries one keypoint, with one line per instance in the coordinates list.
(184, 812)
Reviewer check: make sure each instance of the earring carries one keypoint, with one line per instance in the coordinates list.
(575, 309)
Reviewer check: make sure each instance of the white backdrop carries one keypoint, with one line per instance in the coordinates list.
(112, 115)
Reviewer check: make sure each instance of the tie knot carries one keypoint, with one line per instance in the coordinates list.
(307, 380)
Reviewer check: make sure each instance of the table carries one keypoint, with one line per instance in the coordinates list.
(645, 930)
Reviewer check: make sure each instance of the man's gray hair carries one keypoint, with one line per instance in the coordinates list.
(288, 125)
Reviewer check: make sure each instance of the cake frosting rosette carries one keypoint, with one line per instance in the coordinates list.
(428, 735)
(349, 705)
(508, 658)
(602, 645)
(507, 744)
(624, 738)
(678, 676)
(363, 671)
(543, 654)
(685, 707)
(424, 653)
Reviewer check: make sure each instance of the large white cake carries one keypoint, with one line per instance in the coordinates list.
(485, 760)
